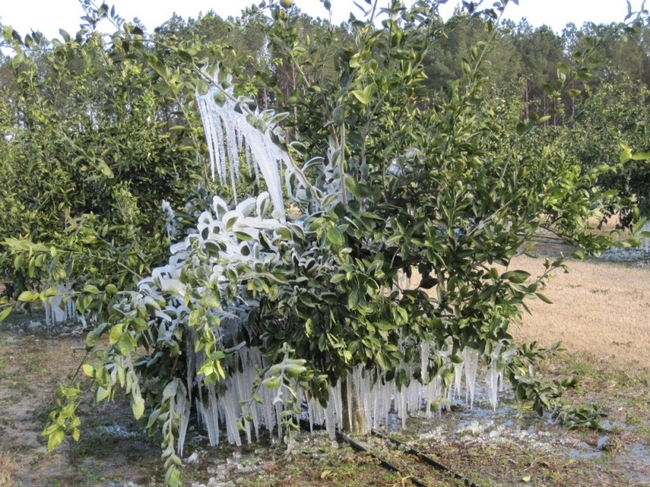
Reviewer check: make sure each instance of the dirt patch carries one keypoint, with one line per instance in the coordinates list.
(31, 367)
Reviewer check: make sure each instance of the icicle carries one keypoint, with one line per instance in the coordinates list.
(60, 308)
(424, 362)
(310, 415)
(338, 402)
(183, 413)
(400, 406)
(254, 361)
(384, 401)
(211, 417)
(458, 378)
(471, 365)
(278, 417)
(230, 123)
(229, 402)
(241, 393)
(232, 128)
(349, 393)
(48, 313)
(253, 164)
(239, 142)
(221, 125)
(318, 411)
(365, 398)
(414, 396)
(228, 132)
(330, 414)
(492, 376)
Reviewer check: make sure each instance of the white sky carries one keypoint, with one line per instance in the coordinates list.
(50, 15)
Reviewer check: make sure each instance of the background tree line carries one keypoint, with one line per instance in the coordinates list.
(71, 160)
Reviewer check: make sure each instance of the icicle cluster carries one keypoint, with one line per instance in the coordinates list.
(232, 135)
(170, 220)
(382, 401)
(237, 234)
(58, 308)
(231, 248)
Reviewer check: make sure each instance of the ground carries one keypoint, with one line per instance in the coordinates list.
(601, 312)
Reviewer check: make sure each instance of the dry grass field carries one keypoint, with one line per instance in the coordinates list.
(599, 307)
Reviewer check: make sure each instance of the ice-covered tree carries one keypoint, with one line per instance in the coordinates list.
(387, 284)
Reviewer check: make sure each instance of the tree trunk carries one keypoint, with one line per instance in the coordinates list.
(354, 417)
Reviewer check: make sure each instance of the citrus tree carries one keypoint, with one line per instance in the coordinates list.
(391, 275)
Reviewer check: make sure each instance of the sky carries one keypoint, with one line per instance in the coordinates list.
(48, 16)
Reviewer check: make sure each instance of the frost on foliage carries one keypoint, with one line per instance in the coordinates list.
(234, 133)
(234, 245)
(206, 285)
(228, 243)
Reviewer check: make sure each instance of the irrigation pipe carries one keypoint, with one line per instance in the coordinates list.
(359, 447)
(411, 451)
(424, 458)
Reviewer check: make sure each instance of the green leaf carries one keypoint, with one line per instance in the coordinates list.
(89, 288)
(105, 170)
(89, 370)
(626, 153)
(516, 277)
(5, 312)
(28, 297)
(55, 439)
(102, 393)
(158, 66)
(294, 370)
(185, 56)
(641, 156)
(638, 226)
(362, 96)
(126, 343)
(543, 298)
(271, 382)
(353, 299)
(137, 405)
(336, 278)
(116, 333)
(243, 237)
(610, 194)
(335, 236)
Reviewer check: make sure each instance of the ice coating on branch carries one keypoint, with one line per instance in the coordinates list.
(380, 396)
(228, 241)
(231, 135)
(232, 246)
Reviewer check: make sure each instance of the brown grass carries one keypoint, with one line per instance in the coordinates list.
(599, 307)
(7, 469)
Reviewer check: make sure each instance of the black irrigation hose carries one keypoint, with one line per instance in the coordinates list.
(357, 446)
(424, 458)
(421, 456)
